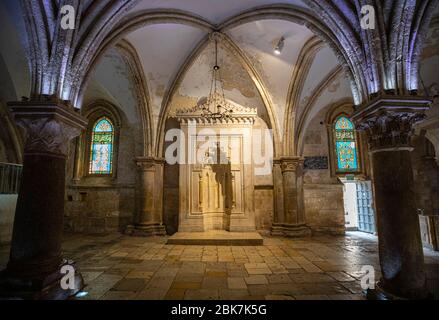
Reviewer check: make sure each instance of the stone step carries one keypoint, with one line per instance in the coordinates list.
(217, 238)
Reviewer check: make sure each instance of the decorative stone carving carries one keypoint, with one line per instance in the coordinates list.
(217, 191)
(388, 121)
(49, 126)
(33, 270)
(316, 163)
(240, 115)
(290, 163)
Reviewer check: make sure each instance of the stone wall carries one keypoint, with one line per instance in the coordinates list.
(7, 213)
(264, 207)
(98, 209)
(323, 193)
(103, 204)
(426, 183)
(324, 209)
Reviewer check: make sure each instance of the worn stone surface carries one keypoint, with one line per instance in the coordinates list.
(179, 272)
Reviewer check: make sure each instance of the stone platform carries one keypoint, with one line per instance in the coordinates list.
(217, 238)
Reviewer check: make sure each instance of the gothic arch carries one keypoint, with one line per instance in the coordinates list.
(299, 132)
(143, 98)
(244, 62)
(298, 78)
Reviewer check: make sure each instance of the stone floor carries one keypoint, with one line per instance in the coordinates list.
(321, 267)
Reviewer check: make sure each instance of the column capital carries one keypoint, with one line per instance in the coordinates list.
(290, 163)
(49, 125)
(148, 162)
(389, 120)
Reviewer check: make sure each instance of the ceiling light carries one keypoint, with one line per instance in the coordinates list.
(279, 46)
(215, 107)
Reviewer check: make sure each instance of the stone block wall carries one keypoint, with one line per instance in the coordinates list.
(8, 203)
(264, 208)
(323, 192)
(324, 208)
(98, 210)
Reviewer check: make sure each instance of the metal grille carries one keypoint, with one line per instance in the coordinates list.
(10, 178)
(366, 218)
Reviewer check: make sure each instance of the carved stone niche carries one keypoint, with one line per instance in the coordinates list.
(216, 178)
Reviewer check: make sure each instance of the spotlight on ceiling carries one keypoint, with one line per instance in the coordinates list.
(280, 45)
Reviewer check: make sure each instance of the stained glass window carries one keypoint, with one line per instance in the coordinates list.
(101, 153)
(346, 145)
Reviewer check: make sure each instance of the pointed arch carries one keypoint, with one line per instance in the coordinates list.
(132, 59)
(244, 62)
(299, 132)
(297, 82)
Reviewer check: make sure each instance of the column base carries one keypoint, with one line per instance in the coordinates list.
(38, 287)
(379, 293)
(290, 230)
(145, 230)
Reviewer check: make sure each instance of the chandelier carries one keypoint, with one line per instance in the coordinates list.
(215, 107)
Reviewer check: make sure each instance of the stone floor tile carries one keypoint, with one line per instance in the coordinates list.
(278, 297)
(152, 294)
(236, 283)
(253, 271)
(119, 295)
(233, 294)
(214, 283)
(279, 278)
(185, 285)
(175, 294)
(133, 285)
(256, 279)
(202, 294)
(341, 276)
(312, 297)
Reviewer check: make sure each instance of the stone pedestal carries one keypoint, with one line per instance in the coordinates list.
(149, 199)
(33, 271)
(289, 217)
(388, 122)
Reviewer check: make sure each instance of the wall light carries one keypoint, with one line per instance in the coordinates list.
(279, 46)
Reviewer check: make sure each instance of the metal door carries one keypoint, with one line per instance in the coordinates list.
(366, 217)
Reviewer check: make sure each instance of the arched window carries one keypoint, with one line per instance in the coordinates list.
(345, 145)
(101, 153)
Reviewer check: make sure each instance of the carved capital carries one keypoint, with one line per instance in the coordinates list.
(388, 121)
(49, 126)
(148, 163)
(291, 163)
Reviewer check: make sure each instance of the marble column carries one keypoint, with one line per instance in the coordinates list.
(388, 122)
(290, 218)
(35, 262)
(149, 199)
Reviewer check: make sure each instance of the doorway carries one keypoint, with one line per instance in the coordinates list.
(358, 204)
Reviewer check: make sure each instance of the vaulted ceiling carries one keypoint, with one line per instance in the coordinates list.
(174, 61)
(177, 59)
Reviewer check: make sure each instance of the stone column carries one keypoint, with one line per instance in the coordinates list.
(149, 199)
(388, 122)
(35, 261)
(292, 221)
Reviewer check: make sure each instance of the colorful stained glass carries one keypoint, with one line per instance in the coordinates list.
(346, 145)
(101, 155)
